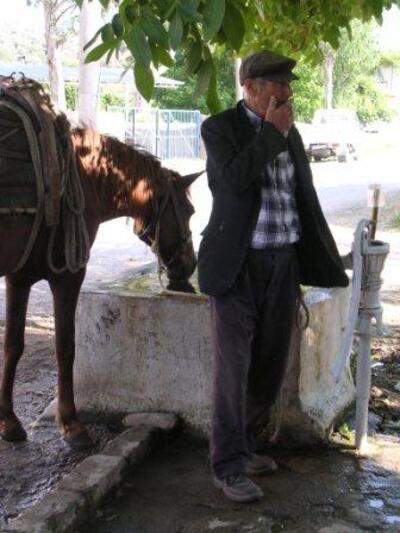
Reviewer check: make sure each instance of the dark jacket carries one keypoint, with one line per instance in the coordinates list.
(236, 159)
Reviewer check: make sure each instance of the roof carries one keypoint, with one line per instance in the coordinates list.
(107, 75)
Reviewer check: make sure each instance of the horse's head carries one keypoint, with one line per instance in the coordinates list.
(168, 231)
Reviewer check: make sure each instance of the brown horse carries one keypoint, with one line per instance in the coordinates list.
(117, 180)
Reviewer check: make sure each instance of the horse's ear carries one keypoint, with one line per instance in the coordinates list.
(185, 181)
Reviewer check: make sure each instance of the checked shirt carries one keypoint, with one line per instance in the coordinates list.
(278, 220)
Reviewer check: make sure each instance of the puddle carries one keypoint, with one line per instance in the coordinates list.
(375, 503)
(392, 520)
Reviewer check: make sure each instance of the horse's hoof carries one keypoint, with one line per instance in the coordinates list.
(15, 433)
(79, 441)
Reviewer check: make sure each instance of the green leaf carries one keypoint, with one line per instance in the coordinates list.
(154, 53)
(332, 36)
(213, 14)
(233, 26)
(130, 12)
(212, 100)
(118, 25)
(104, 3)
(194, 56)
(203, 78)
(153, 27)
(79, 3)
(107, 33)
(164, 57)
(138, 45)
(99, 51)
(176, 30)
(112, 49)
(189, 12)
(92, 40)
(144, 80)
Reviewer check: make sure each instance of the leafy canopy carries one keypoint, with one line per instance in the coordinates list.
(151, 30)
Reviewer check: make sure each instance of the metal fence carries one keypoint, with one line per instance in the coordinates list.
(167, 133)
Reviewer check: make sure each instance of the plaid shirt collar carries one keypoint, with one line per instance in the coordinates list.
(255, 120)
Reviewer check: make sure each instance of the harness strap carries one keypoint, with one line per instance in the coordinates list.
(6, 122)
(11, 154)
(18, 210)
(14, 97)
(37, 165)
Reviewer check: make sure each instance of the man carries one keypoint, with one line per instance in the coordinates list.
(266, 235)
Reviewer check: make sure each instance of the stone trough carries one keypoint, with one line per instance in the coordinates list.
(141, 349)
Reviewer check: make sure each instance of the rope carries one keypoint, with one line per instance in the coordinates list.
(76, 237)
(302, 305)
(155, 248)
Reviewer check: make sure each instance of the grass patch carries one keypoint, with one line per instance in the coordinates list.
(396, 220)
(149, 283)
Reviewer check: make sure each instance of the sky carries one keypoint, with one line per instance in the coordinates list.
(18, 13)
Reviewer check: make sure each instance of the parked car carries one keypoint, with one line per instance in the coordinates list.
(333, 133)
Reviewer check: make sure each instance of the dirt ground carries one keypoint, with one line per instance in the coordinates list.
(30, 469)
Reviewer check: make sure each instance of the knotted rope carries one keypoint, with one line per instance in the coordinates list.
(76, 237)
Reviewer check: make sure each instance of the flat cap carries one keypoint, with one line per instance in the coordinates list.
(268, 66)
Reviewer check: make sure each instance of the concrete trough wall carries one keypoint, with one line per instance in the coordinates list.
(140, 353)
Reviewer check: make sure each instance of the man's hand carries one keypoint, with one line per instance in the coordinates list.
(281, 117)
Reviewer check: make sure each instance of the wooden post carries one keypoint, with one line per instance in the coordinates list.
(375, 200)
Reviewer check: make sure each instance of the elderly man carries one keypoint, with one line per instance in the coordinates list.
(266, 235)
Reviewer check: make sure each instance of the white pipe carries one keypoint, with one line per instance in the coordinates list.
(363, 381)
(360, 238)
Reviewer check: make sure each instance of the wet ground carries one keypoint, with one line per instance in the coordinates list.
(312, 490)
(29, 469)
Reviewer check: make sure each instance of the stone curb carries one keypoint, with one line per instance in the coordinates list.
(78, 495)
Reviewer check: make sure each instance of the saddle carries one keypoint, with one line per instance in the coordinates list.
(30, 163)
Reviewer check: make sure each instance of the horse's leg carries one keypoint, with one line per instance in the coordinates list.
(65, 289)
(17, 295)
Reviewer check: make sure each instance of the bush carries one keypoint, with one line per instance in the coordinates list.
(308, 91)
(368, 101)
(109, 98)
(71, 95)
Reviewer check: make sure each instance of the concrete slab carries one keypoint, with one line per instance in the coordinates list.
(78, 495)
(153, 352)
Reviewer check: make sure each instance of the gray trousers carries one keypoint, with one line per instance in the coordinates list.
(251, 326)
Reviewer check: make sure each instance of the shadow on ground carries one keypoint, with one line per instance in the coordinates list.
(319, 490)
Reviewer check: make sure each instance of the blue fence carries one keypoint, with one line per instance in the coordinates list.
(167, 133)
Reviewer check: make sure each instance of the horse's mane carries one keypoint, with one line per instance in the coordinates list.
(124, 167)
(102, 153)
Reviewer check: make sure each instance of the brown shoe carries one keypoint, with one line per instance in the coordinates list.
(239, 488)
(259, 465)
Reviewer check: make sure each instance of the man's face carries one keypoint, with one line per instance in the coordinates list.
(259, 93)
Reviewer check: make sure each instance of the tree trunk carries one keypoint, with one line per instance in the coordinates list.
(89, 74)
(56, 79)
(329, 63)
(238, 88)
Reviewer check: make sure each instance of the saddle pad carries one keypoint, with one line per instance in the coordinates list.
(17, 176)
